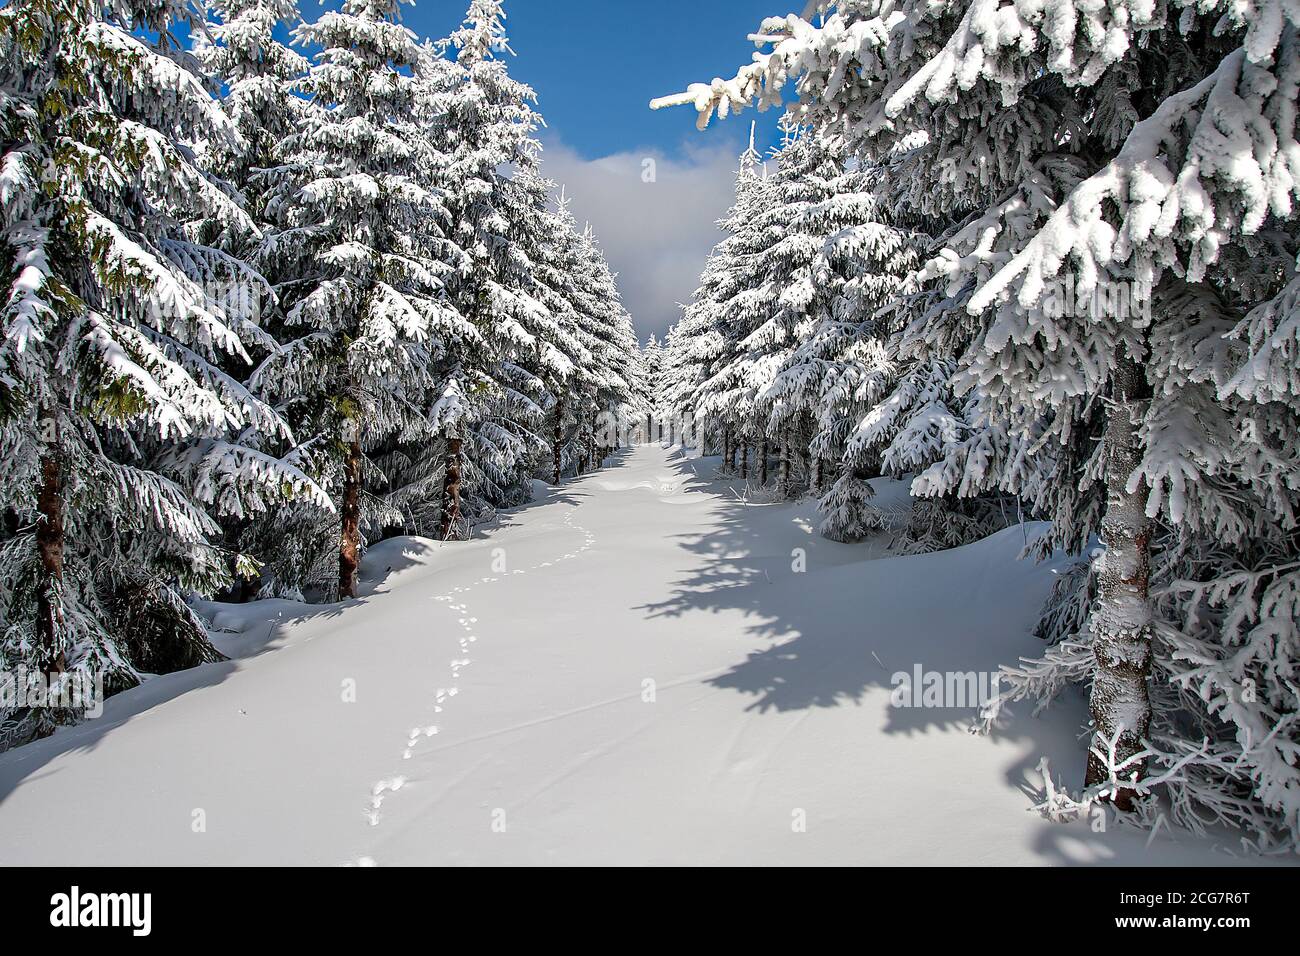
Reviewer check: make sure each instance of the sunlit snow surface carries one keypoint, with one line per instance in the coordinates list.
(628, 670)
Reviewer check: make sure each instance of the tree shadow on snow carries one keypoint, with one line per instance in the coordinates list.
(252, 629)
(265, 622)
(846, 625)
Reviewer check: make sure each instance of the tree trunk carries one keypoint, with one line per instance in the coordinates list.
(350, 537)
(762, 464)
(451, 490)
(1122, 618)
(744, 461)
(815, 479)
(785, 468)
(558, 442)
(49, 546)
(726, 449)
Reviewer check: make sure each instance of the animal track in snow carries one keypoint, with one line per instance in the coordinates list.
(389, 785)
(466, 621)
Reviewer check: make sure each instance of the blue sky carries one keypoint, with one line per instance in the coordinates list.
(595, 65)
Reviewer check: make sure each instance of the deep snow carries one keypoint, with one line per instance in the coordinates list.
(503, 711)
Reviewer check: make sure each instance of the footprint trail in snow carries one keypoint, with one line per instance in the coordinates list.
(454, 599)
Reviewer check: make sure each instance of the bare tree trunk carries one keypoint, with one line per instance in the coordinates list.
(1122, 618)
(762, 477)
(558, 442)
(350, 513)
(451, 490)
(744, 460)
(49, 546)
(726, 449)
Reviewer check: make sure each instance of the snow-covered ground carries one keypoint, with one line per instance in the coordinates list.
(629, 670)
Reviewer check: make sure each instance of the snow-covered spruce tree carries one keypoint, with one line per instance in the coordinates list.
(564, 269)
(586, 342)
(652, 385)
(905, 417)
(260, 79)
(676, 380)
(635, 411)
(260, 76)
(404, 485)
(1120, 158)
(1178, 196)
(806, 204)
(534, 355)
(359, 241)
(120, 431)
(601, 389)
(607, 330)
(772, 297)
(864, 272)
(693, 347)
(560, 359)
(707, 336)
(490, 433)
(836, 280)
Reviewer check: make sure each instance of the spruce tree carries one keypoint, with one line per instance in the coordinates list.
(122, 432)
(355, 209)
(1119, 189)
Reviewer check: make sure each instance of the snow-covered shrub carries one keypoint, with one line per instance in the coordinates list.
(938, 524)
(847, 513)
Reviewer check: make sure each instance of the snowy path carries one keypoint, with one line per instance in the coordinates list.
(627, 671)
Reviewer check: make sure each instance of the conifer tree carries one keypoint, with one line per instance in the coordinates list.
(706, 336)
(491, 416)
(367, 295)
(121, 431)
(1103, 172)
(653, 381)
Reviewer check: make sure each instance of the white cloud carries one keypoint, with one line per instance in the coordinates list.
(656, 235)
